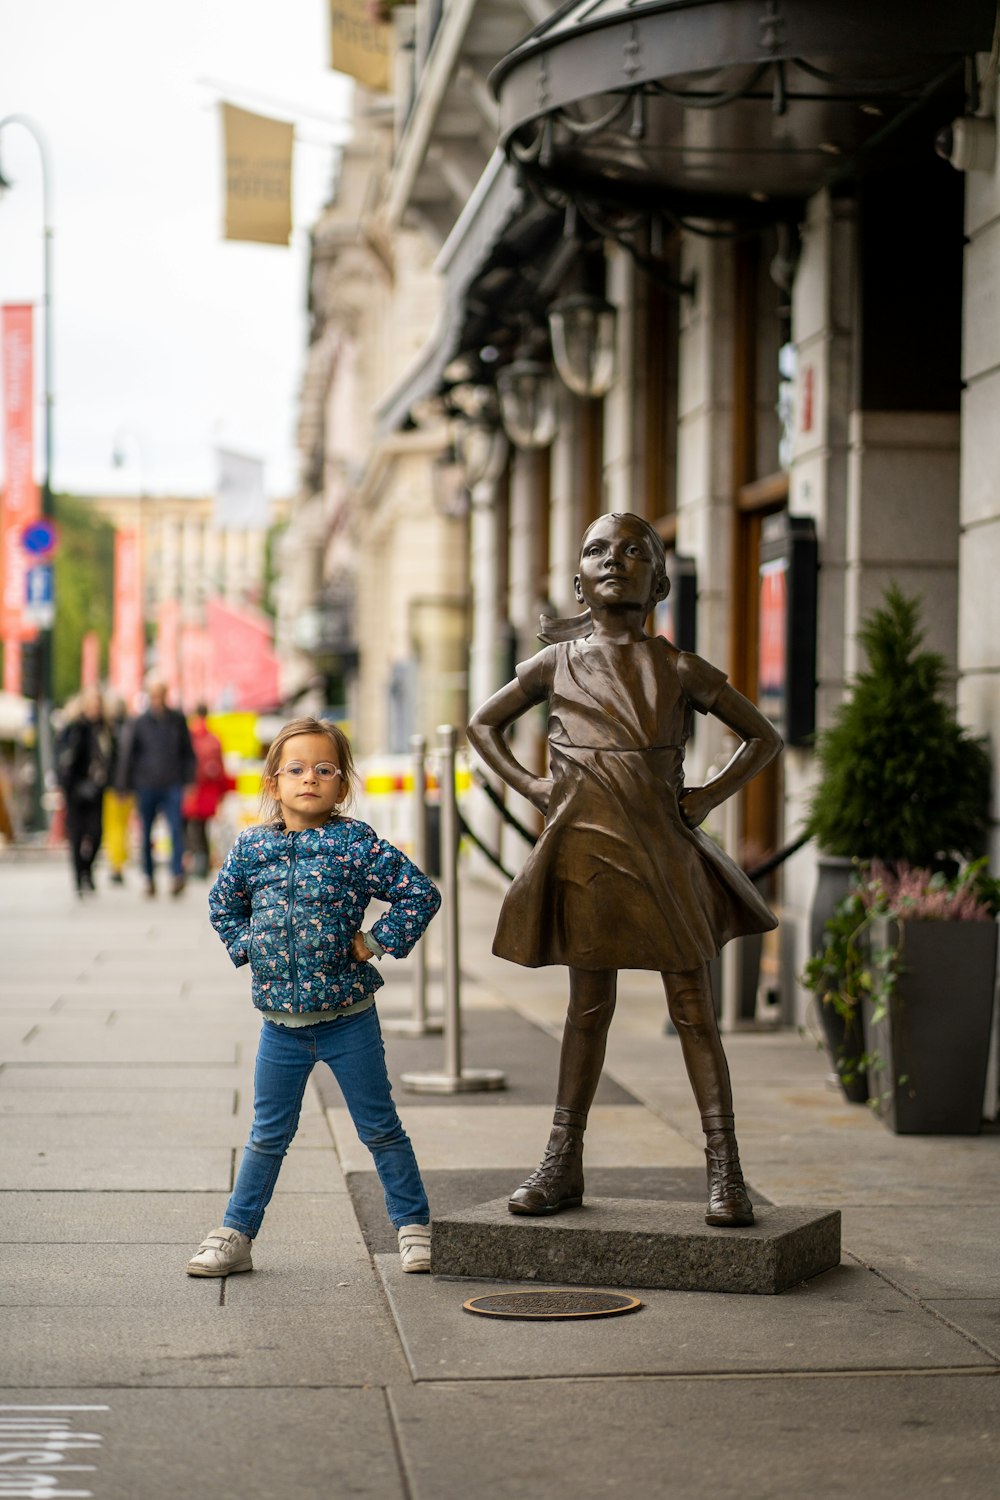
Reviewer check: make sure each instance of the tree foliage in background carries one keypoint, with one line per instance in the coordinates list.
(84, 589)
(900, 779)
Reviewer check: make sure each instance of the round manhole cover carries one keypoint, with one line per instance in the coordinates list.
(571, 1303)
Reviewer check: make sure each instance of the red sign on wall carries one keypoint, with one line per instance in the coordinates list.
(773, 650)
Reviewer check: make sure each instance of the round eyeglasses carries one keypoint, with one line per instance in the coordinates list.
(325, 771)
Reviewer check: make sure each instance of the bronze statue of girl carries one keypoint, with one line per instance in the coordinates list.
(621, 877)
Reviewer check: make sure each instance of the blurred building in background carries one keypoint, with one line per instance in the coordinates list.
(731, 265)
(203, 590)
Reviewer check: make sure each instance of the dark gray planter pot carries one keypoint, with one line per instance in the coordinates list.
(833, 881)
(936, 1035)
(844, 1042)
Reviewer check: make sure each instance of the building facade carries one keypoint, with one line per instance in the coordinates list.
(781, 224)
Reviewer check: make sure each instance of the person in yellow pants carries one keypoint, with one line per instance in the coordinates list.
(117, 813)
(117, 806)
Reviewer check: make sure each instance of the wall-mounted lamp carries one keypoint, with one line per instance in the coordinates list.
(449, 487)
(526, 392)
(473, 401)
(583, 343)
(482, 449)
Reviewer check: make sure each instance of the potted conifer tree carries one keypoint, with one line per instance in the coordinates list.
(900, 781)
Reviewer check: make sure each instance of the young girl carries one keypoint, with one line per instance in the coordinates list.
(290, 900)
(620, 877)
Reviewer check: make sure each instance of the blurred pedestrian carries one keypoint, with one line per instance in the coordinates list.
(156, 761)
(118, 806)
(84, 766)
(7, 834)
(201, 801)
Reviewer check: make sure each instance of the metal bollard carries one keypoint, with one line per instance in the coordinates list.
(455, 1079)
(417, 1024)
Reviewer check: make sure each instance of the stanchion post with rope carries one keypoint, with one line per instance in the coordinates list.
(417, 1024)
(454, 1079)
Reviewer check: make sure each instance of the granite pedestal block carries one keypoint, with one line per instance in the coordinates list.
(637, 1242)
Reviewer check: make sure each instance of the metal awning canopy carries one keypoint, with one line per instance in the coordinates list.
(715, 101)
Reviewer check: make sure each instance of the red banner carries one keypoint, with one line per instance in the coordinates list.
(20, 498)
(90, 660)
(128, 639)
(168, 646)
(243, 669)
(11, 666)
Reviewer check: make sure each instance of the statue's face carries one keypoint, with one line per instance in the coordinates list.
(617, 566)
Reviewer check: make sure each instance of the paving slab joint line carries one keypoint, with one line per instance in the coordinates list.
(657, 1377)
(405, 1483)
(931, 1312)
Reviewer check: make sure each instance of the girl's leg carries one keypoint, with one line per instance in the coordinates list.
(355, 1053)
(692, 1010)
(285, 1058)
(558, 1182)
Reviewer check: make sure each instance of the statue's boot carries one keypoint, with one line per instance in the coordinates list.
(557, 1183)
(729, 1205)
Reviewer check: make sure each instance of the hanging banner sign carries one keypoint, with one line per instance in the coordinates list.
(359, 46)
(258, 177)
(90, 660)
(20, 497)
(128, 639)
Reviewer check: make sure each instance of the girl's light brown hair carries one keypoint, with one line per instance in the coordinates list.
(270, 808)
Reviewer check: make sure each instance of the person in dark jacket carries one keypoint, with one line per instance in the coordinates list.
(157, 762)
(84, 766)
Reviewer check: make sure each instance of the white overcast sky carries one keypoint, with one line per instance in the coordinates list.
(168, 340)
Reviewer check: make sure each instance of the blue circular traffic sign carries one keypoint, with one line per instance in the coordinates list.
(40, 537)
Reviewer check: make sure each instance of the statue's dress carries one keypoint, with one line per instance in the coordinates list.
(617, 880)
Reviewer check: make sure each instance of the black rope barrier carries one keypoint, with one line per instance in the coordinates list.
(471, 833)
(759, 871)
(503, 810)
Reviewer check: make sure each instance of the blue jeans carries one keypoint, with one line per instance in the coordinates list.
(286, 1055)
(167, 800)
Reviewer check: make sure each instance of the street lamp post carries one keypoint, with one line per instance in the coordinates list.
(43, 698)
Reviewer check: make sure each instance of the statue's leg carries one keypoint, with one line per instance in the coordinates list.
(558, 1182)
(692, 1010)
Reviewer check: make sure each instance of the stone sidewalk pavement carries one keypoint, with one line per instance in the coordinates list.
(126, 1047)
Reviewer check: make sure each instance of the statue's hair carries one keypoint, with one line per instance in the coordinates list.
(576, 627)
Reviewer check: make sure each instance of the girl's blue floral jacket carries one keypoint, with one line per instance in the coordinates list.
(290, 903)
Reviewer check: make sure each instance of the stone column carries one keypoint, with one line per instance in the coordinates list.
(823, 331)
(979, 538)
(704, 465)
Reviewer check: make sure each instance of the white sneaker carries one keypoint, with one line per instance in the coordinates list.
(221, 1253)
(415, 1247)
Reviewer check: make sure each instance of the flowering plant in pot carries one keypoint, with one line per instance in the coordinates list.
(910, 961)
(900, 781)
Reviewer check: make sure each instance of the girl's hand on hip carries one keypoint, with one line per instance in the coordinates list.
(695, 804)
(359, 949)
(539, 793)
